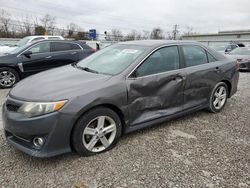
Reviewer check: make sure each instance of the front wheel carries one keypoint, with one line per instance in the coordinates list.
(97, 131)
(8, 77)
(218, 97)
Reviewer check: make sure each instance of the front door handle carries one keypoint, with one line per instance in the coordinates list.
(73, 53)
(48, 57)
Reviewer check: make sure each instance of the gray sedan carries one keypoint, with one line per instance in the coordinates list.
(243, 56)
(86, 107)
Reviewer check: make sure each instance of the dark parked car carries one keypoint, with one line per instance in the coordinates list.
(39, 56)
(243, 56)
(87, 106)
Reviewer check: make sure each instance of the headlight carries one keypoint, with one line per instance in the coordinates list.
(31, 109)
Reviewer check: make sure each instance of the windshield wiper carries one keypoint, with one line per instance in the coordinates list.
(87, 69)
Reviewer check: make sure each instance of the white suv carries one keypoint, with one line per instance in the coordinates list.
(28, 40)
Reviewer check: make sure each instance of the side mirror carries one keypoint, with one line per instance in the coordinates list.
(27, 53)
(228, 50)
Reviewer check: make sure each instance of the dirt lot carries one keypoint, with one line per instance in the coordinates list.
(198, 150)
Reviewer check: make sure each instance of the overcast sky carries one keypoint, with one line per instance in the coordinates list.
(204, 16)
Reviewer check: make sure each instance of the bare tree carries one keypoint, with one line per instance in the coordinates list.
(116, 35)
(157, 33)
(5, 19)
(145, 35)
(72, 28)
(26, 26)
(48, 22)
(133, 35)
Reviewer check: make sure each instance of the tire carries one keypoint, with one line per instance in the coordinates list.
(8, 77)
(214, 106)
(89, 137)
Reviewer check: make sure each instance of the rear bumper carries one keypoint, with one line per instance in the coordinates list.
(245, 66)
(54, 128)
(234, 83)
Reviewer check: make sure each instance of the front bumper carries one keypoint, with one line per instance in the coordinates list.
(54, 128)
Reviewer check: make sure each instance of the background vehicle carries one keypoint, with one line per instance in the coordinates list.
(243, 56)
(39, 56)
(28, 40)
(227, 48)
(87, 106)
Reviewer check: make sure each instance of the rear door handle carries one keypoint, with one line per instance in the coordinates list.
(48, 57)
(73, 53)
(179, 77)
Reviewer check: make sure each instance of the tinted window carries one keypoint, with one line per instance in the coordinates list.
(61, 46)
(75, 47)
(162, 60)
(194, 55)
(86, 47)
(41, 48)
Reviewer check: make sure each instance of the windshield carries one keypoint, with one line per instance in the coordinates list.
(241, 51)
(18, 49)
(111, 60)
(23, 41)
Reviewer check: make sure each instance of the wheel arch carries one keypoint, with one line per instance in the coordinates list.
(107, 105)
(229, 86)
(11, 67)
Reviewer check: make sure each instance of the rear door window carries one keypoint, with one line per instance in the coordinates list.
(61, 46)
(194, 55)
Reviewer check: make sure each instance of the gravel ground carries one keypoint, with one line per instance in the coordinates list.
(198, 150)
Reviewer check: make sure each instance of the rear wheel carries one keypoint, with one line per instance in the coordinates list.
(97, 131)
(8, 77)
(218, 97)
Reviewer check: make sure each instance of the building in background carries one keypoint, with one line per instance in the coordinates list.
(221, 37)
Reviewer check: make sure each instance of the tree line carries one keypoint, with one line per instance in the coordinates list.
(30, 25)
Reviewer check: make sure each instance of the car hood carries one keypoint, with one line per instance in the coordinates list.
(5, 58)
(58, 84)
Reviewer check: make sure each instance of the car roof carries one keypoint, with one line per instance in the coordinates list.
(55, 40)
(153, 43)
(36, 36)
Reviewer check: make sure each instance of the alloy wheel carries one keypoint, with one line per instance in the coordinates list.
(220, 97)
(99, 134)
(7, 79)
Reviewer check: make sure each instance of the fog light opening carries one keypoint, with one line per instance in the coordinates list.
(38, 142)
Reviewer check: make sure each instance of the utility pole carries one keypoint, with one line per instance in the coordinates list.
(175, 31)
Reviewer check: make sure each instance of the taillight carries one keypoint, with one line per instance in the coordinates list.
(237, 63)
(93, 50)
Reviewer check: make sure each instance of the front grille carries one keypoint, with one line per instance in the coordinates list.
(12, 107)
